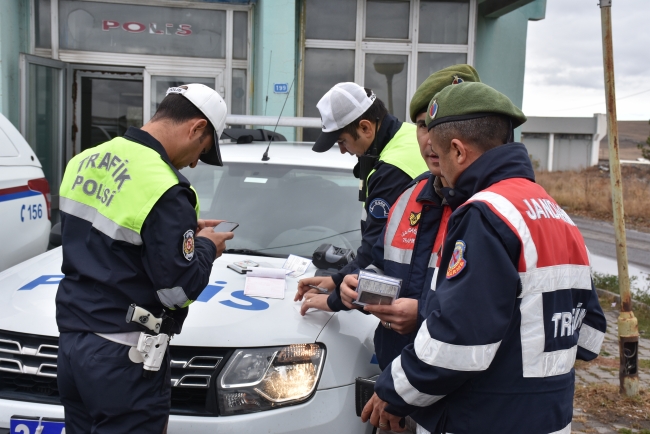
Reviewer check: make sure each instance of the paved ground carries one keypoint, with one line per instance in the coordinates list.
(593, 373)
(599, 237)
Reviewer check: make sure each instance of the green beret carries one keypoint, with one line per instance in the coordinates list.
(470, 101)
(437, 81)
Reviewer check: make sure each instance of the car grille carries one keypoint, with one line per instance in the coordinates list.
(28, 373)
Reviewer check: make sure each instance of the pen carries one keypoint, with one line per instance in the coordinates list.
(323, 290)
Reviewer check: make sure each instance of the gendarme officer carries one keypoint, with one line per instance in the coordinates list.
(514, 303)
(131, 235)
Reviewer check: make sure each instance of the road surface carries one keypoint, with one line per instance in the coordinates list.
(599, 237)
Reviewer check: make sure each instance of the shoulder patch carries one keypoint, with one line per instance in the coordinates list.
(457, 262)
(457, 80)
(188, 245)
(379, 208)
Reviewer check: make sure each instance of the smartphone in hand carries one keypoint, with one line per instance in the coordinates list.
(226, 227)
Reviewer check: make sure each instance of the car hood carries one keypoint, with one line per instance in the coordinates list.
(221, 317)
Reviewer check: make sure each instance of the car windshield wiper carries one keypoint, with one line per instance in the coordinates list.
(254, 252)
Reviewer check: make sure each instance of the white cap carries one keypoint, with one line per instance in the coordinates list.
(213, 107)
(339, 107)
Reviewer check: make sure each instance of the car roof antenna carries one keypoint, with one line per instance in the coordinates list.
(268, 82)
(266, 157)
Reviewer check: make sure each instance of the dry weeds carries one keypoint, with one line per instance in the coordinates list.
(605, 403)
(588, 193)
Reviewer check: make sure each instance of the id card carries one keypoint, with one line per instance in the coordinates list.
(376, 289)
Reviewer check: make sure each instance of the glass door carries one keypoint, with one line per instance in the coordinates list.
(42, 117)
(106, 105)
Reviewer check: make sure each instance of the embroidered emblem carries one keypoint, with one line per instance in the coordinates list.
(414, 218)
(457, 262)
(433, 109)
(457, 80)
(379, 208)
(188, 245)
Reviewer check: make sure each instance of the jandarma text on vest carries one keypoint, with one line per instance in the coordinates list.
(547, 209)
(91, 187)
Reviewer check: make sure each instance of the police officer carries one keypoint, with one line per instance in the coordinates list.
(389, 159)
(514, 303)
(131, 235)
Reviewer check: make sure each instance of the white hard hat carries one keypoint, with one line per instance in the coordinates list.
(213, 107)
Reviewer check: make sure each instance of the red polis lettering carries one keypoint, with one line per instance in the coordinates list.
(134, 27)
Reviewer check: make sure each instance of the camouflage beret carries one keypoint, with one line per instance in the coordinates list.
(470, 101)
(437, 81)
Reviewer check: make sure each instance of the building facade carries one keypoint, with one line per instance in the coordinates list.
(74, 73)
(564, 143)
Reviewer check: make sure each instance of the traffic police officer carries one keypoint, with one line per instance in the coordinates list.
(355, 119)
(131, 235)
(514, 303)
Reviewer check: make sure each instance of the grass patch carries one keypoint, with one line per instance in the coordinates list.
(605, 403)
(609, 282)
(588, 193)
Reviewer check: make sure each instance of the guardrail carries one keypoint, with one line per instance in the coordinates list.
(271, 121)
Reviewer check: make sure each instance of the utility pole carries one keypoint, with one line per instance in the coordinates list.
(628, 330)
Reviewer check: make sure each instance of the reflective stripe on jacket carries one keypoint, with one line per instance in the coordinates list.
(409, 251)
(514, 306)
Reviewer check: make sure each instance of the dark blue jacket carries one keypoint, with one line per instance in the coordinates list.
(385, 184)
(104, 276)
(467, 371)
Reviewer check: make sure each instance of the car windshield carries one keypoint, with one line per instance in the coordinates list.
(281, 210)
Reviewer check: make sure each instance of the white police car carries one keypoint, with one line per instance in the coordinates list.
(24, 199)
(241, 364)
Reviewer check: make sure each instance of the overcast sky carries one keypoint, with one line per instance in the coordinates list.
(564, 63)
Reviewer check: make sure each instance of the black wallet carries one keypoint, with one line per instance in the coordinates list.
(364, 388)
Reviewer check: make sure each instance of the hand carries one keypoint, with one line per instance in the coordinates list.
(402, 314)
(374, 411)
(218, 238)
(202, 224)
(323, 281)
(316, 301)
(348, 291)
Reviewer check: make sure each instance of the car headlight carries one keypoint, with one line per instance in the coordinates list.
(259, 379)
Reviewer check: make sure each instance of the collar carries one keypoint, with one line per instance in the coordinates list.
(144, 138)
(503, 162)
(390, 125)
(429, 193)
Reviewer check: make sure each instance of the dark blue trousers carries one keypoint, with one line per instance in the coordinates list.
(102, 391)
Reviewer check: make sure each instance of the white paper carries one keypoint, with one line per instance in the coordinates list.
(296, 265)
(265, 282)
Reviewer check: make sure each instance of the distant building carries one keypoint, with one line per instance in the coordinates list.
(75, 73)
(564, 143)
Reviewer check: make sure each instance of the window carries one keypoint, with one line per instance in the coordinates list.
(134, 29)
(201, 41)
(390, 46)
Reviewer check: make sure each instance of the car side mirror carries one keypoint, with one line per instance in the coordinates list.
(55, 237)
